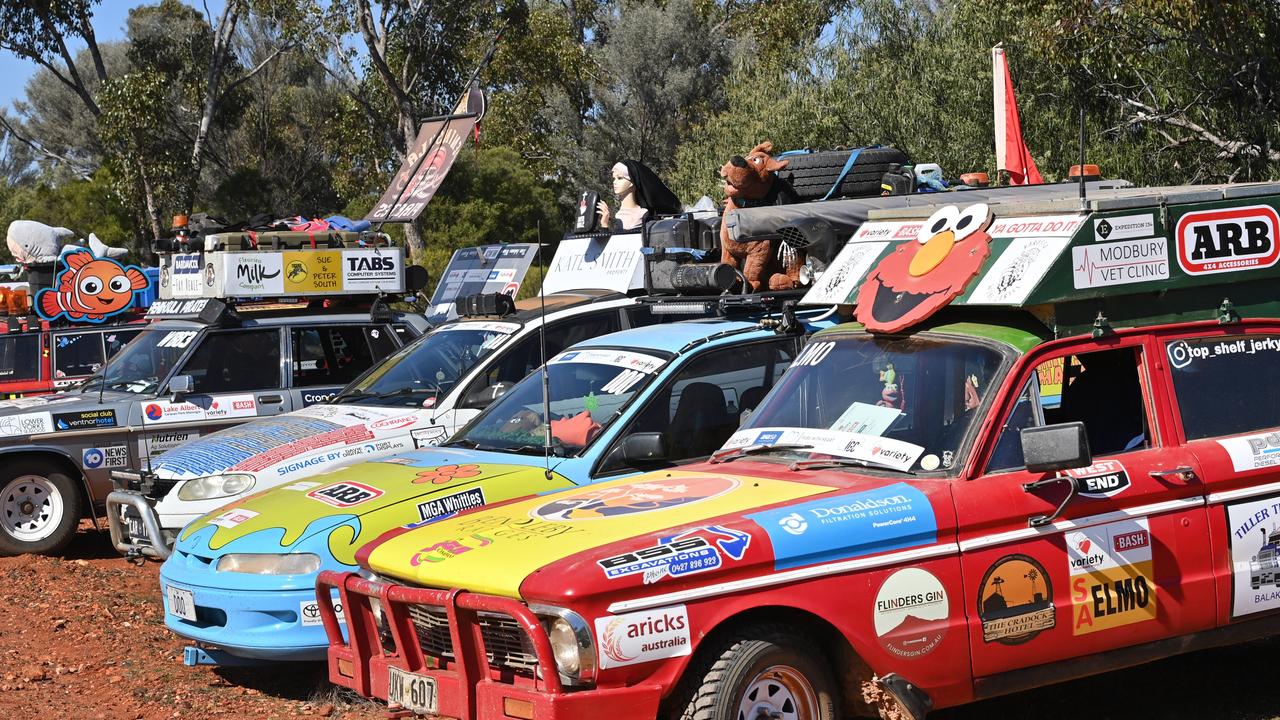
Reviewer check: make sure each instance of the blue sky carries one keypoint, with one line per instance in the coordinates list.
(108, 24)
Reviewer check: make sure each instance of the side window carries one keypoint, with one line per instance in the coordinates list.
(1225, 385)
(1100, 389)
(236, 361)
(335, 355)
(700, 406)
(77, 354)
(19, 358)
(526, 354)
(382, 341)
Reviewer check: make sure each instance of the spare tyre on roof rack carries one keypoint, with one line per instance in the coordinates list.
(827, 174)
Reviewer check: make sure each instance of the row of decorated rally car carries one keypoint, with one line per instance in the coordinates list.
(1033, 448)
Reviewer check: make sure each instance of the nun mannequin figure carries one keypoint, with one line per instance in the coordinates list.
(641, 195)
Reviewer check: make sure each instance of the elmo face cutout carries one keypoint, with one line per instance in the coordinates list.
(919, 277)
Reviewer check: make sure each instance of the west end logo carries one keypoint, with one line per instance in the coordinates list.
(1218, 241)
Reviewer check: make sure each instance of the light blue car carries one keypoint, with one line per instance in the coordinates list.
(241, 580)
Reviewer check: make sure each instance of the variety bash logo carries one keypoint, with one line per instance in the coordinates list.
(633, 498)
(1015, 601)
(911, 613)
(697, 550)
(643, 636)
(345, 494)
(1231, 240)
(1112, 580)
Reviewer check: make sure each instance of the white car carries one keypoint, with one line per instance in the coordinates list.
(418, 396)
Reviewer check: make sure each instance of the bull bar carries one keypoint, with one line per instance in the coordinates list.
(468, 688)
(154, 546)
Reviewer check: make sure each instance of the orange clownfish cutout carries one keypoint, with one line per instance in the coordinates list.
(920, 277)
(90, 288)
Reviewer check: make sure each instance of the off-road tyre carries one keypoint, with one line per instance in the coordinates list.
(812, 174)
(774, 665)
(40, 508)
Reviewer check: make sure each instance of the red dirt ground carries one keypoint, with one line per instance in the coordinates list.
(84, 637)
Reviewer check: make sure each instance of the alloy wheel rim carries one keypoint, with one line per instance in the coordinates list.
(30, 508)
(778, 692)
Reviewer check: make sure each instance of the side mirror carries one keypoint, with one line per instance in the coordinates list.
(181, 386)
(643, 447)
(1055, 447)
(481, 398)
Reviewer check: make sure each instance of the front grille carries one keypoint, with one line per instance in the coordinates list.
(505, 644)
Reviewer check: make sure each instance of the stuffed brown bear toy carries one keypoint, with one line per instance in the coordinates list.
(752, 181)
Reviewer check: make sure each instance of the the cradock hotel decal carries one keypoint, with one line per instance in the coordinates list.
(1253, 529)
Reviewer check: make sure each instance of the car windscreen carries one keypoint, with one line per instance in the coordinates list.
(889, 402)
(143, 364)
(430, 367)
(587, 390)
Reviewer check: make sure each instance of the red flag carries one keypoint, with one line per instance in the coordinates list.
(1012, 154)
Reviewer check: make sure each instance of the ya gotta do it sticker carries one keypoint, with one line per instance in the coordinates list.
(911, 613)
(1015, 601)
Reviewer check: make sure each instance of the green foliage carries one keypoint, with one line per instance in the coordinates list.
(86, 206)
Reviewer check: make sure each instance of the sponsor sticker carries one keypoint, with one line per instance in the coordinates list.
(1015, 601)
(219, 407)
(1112, 579)
(112, 456)
(694, 551)
(1253, 537)
(26, 424)
(309, 612)
(1056, 226)
(1253, 452)
(888, 452)
(1124, 227)
(1120, 263)
(252, 274)
(840, 281)
(450, 505)
(345, 494)
(394, 423)
(428, 437)
(1231, 240)
(643, 636)
(233, 517)
(1103, 479)
(312, 271)
(159, 443)
(911, 613)
(84, 420)
(302, 486)
(617, 358)
(1183, 352)
(849, 525)
(634, 498)
(371, 270)
(1017, 270)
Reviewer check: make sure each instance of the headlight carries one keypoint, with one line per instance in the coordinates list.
(216, 486)
(570, 643)
(270, 564)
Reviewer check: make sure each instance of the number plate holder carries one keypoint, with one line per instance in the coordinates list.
(412, 691)
(182, 602)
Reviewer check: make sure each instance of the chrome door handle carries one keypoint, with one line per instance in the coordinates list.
(1182, 474)
(271, 399)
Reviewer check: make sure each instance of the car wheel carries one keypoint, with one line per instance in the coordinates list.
(39, 509)
(765, 673)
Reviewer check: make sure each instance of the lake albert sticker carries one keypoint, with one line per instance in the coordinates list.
(911, 613)
(1015, 601)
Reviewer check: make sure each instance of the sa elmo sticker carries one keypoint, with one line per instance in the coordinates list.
(919, 278)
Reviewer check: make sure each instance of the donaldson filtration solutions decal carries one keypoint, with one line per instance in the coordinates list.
(849, 525)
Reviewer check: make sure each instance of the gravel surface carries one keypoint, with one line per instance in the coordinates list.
(85, 638)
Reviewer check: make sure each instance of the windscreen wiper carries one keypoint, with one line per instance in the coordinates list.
(753, 450)
(840, 462)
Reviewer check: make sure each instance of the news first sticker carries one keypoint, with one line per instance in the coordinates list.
(639, 637)
(911, 613)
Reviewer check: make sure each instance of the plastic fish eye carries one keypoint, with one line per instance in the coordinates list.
(972, 219)
(944, 218)
(91, 285)
(118, 284)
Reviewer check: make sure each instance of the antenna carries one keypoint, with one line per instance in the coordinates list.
(542, 350)
(1084, 203)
